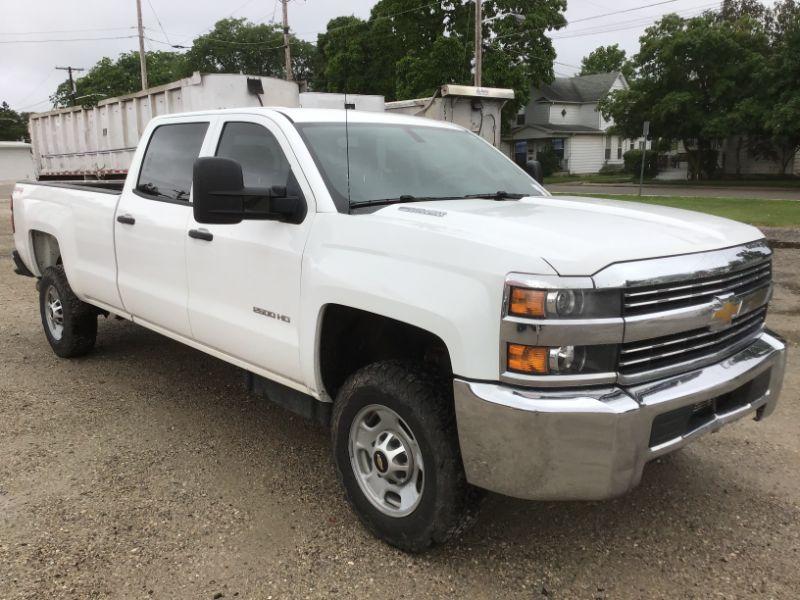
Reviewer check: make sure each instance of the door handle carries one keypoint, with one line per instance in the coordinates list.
(126, 220)
(201, 234)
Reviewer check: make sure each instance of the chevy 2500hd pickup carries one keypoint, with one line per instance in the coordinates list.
(404, 282)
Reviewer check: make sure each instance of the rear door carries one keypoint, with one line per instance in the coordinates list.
(244, 279)
(151, 223)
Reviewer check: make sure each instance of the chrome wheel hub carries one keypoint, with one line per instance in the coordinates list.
(386, 460)
(54, 313)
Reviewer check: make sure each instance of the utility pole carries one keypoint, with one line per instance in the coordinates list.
(478, 42)
(286, 47)
(645, 133)
(73, 90)
(142, 55)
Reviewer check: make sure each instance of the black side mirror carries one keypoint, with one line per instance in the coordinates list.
(534, 169)
(217, 185)
(220, 198)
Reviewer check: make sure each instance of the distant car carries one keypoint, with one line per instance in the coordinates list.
(402, 281)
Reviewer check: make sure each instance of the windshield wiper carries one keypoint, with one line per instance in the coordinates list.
(499, 195)
(403, 198)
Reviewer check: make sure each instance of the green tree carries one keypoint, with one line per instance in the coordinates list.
(695, 82)
(406, 50)
(780, 102)
(13, 125)
(109, 78)
(606, 59)
(240, 46)
(343, 54)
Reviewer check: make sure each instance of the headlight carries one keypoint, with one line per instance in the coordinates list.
(564, 303)
(560, 360)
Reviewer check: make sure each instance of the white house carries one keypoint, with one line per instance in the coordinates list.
(565, 115)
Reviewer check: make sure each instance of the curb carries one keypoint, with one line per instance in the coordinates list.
(782, 243)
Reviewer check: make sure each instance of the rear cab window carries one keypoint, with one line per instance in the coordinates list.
(166, 171)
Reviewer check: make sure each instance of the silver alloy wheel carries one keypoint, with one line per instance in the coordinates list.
(386, 460)
(54, 313)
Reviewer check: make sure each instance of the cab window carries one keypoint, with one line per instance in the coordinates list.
(166, 172)
(258, 152)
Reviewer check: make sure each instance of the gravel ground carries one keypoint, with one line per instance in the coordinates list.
(144, 470)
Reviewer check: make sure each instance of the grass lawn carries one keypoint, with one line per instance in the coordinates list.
(759, 182)
(769, 213)
(791, 183)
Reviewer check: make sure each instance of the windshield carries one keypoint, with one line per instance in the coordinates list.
(403, 162)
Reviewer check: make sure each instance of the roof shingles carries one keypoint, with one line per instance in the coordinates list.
(586, 88)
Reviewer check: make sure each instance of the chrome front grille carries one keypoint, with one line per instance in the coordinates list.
(658, 298)
(689, 346)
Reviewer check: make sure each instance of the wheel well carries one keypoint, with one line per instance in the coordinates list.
(353, 338)
(46, 251)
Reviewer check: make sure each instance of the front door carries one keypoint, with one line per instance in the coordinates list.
(151, 225)
(244, 279)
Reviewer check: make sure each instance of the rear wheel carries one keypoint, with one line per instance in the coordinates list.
(397, 455)
(70, 325)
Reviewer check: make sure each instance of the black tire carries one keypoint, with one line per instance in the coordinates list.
(79, 320)
(448, 504)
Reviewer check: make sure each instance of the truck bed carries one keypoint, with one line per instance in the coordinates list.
(103, 186)
(73, 220)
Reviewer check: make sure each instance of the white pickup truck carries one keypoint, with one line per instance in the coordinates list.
(402, 281)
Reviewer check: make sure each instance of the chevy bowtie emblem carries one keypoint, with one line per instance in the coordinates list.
(724, 311)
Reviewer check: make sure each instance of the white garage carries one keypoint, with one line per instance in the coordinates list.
(16, 162)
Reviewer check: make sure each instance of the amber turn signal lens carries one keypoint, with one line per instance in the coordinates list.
(527, 303)
(531, 360)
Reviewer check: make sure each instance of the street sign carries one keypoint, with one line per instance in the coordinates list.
(646, 129)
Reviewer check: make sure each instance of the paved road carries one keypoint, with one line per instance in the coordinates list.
(145, 471)
(677, 190)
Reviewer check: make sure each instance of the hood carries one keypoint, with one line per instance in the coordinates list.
(576, 235)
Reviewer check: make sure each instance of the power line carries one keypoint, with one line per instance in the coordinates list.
(617, 26)
(95, 39)
(625, 10)
(221, 41)
(630, 24)
(241, 7)
(160, 26)
(377, 18)
(36, 87)
(31, 105)
(65, 31)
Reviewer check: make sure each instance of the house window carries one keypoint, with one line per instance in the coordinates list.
(633, 145)
(608, 147)
(521, 119)
(619, 149)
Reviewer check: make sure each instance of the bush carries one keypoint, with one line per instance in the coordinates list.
(612, 169)
(633, 163)
(549, 159)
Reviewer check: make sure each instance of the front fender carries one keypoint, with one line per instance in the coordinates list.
(451, 287)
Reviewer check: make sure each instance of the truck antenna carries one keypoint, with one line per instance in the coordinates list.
(347, 144)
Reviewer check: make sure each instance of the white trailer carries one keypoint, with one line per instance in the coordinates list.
(476, 108)
(100, 141)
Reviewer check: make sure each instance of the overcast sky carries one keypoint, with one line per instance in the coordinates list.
(29, 28)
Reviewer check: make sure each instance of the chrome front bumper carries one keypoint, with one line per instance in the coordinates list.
(593, 444)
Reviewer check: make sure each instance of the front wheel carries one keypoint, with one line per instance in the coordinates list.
(396, 451)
